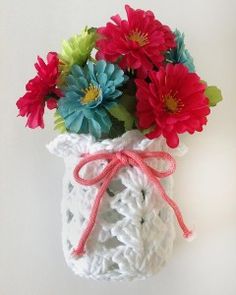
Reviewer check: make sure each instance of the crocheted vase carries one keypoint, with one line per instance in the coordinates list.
(134, 231)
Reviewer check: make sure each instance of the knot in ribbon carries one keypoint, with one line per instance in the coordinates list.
(123, 158)
(116, 161)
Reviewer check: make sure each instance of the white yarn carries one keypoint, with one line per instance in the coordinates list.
(134, 231)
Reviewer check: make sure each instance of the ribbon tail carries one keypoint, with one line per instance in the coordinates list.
(80, 249)
(186, 231)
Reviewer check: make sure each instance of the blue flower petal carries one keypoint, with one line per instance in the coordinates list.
(92, 116)
(180, 54)
(82, 83)
(108, 91)
(90, 67)
(74, 121)
(95, 103)
(109, 70)
(100, 66)
(95, 128)
(102, 79)
(110, 84)
(115, 94)
(119, 80)
(117, 73)
(77, 71)
(84, 127)
(88, 113)
(104, 120)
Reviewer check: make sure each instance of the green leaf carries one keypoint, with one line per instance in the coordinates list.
(59, 123)
(129, 102)
(120, 113)
(214, 95)
(117, 128)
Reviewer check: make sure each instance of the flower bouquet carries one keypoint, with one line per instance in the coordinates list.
(122, 94)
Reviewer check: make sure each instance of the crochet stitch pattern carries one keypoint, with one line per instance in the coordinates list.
(134, 232)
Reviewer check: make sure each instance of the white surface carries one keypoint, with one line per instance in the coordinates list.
(31, 259)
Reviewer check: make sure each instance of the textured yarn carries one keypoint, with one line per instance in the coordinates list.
(134, 231)
(117, 161)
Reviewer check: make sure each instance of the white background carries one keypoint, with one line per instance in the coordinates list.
(31, 259)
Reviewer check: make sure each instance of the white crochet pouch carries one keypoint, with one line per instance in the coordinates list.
(134, 230)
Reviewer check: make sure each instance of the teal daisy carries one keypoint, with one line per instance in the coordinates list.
(89, 94)
(180, 54)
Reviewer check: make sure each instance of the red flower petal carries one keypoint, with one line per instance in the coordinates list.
(52, 103)
(173, 102)
(141, 41)
(38, 89)
(172, 139)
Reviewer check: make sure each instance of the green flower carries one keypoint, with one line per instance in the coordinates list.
(76, 51)
(180, 54)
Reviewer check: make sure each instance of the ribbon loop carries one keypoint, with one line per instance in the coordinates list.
(116, 161)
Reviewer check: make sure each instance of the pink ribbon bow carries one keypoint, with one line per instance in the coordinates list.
(116, 161)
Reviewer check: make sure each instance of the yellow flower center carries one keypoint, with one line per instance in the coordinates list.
(172, 104)
(139, 37)
(91, 94)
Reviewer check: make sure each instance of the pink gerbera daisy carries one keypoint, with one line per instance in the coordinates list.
(138, 43)
(173, 102)
(41, 90)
